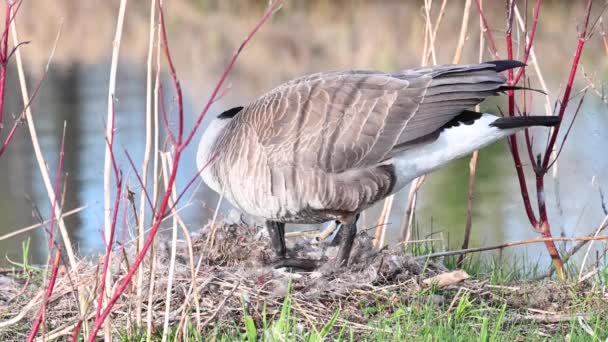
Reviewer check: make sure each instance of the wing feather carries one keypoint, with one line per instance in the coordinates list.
(336, 121)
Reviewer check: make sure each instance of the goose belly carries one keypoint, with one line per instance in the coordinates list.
(452, 143)
(305, 196)
(251, 190)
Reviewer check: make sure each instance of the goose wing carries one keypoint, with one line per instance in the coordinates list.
(336, 121)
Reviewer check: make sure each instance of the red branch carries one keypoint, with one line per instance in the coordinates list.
(10, 135)
(57, 182)
(47, 295)
(530, 42)
(51, 285)
(542, 223)
(76, 331)
(273, 8)
(4, 59)
(192, 180)
(110, 240)
(486, 28)
(182, 144)
(566, 98)
(523, 187)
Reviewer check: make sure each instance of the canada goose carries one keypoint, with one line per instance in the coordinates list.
(329, 145)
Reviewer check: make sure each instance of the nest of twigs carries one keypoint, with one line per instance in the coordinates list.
(233, 277)
(236, 275)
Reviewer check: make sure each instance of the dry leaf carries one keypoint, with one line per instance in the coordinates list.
(447, 279)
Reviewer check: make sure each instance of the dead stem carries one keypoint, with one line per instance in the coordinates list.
(151, 293)
(166, 166)
(599, 229)
(512, 244)
(470, 202)
(382, 223)
(408, 219)
(16, 232)
(463, 32)
(107, 175)
(36, 145)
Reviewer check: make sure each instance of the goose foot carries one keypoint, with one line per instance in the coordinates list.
(276, 231)
(346, 238)
(296, 264)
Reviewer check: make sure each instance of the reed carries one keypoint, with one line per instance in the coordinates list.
(473, 162)
(109, 163)
(147, 152)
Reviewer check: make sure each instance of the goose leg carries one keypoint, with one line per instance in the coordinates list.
(336, 240)
(346, 238)
(276, 230)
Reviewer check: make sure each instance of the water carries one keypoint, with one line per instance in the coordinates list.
(364, 36)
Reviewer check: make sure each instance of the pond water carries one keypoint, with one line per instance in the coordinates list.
(369, 35)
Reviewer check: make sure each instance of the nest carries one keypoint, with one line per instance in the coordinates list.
(236, 280)
(236, 277)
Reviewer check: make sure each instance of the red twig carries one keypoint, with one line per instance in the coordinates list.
(486, 28)
(189, 184)
(47, 296)
(273, 8)
(55, 266)
(21, 116)
(163, 111)
(57, 182)
(10, 135)
(178, 153)
(13, 4)
(540, 224)
(176, 84)
(141, 183)
(523, 187)
(4, 58)
(530, 40)
(541, 168)
(76, 331)
(559, 151)
(566, 98)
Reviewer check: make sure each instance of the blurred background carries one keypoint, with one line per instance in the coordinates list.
(303, 37)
